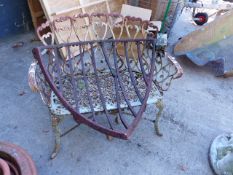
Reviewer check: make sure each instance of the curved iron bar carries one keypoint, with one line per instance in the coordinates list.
(140, 62)
(73, 82)
(86, 82)
(79, 117)
(59, 70)
(131, 73)
(121, 83)
(114, 74)
(150, 80)
(99, 87)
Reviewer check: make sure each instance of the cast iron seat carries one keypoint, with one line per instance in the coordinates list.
(103, 83)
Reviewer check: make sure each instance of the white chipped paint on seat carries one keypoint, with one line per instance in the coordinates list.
(58, 109)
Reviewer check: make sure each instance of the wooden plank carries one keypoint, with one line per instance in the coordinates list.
(46, 8)
(219, 29)
(34, 6)
(37, 13)
(158, 7)
(56, 8)
(81, 6)
(101, 7)
(115, 5)
(90, 2)
(72, 5)
(59, 7)
(128, 10)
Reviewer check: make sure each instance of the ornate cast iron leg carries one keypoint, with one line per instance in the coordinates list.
(55, 124)
(160, 107)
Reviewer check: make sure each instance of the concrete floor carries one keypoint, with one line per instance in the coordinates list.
(199, 106)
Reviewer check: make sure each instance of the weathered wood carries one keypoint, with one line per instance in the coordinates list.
(131, 31)
(57, 8)
(128, 10)
(218, 30)
(82, 5)
(37, 13)
(158, 7)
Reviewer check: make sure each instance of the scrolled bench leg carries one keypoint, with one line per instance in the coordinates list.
(56, 130)
(160, 107)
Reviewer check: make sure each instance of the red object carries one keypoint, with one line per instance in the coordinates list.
(201, 18)
(15, 160)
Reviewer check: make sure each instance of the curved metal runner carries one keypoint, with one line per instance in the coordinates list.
(85, 91)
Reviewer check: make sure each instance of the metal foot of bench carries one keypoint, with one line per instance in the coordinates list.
(159, 106)
(117, 120)
(110, 138)
(57, 133)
